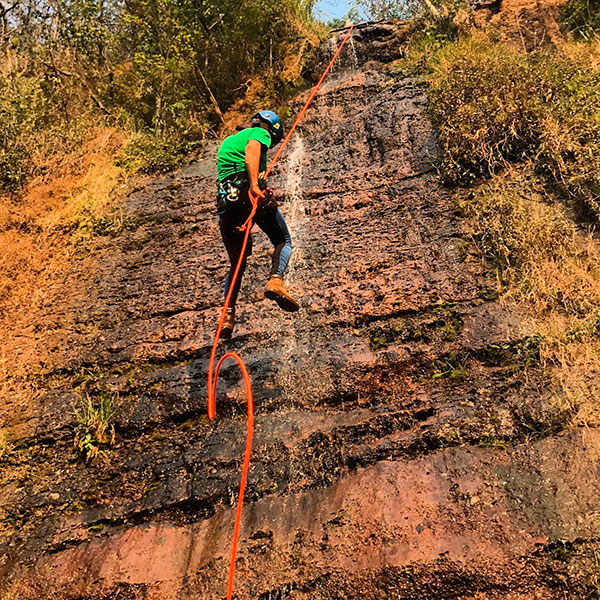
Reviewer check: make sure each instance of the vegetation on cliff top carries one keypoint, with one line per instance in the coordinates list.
(165, 69)
(162, 72)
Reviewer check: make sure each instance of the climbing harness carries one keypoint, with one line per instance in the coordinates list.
(213, 378)
(228, 193)
(230, 189)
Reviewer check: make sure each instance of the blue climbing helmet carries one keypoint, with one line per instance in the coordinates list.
(274, 123)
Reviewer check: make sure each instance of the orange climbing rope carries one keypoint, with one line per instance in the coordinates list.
(212, 381)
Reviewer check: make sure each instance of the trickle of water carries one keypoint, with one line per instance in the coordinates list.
(353, 54)
(331, 48)
(341, 65)
(294, 209)
(295, 217)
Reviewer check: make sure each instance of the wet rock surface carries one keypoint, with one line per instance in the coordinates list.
(405, 445)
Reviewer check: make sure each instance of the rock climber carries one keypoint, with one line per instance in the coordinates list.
(241, 160)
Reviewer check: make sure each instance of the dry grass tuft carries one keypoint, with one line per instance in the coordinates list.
(95, 429)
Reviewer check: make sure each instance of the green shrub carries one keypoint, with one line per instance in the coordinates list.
(430, 33)
(14, 160)
(493, 106)
(582, 17)
(17, 120)
(40, 123)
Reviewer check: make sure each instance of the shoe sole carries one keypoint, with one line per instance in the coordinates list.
(283, 302)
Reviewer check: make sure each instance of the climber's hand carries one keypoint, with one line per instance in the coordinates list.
(256, 193)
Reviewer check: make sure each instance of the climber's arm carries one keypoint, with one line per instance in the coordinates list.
(252, 159)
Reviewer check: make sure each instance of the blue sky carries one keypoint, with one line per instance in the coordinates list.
(330, 9)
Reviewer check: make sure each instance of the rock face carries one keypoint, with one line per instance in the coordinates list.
(404, 446)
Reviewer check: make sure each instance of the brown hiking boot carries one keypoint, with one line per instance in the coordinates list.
(228, 324)
(275, 290)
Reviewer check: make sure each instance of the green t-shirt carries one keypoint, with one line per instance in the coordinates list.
(231, 155)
